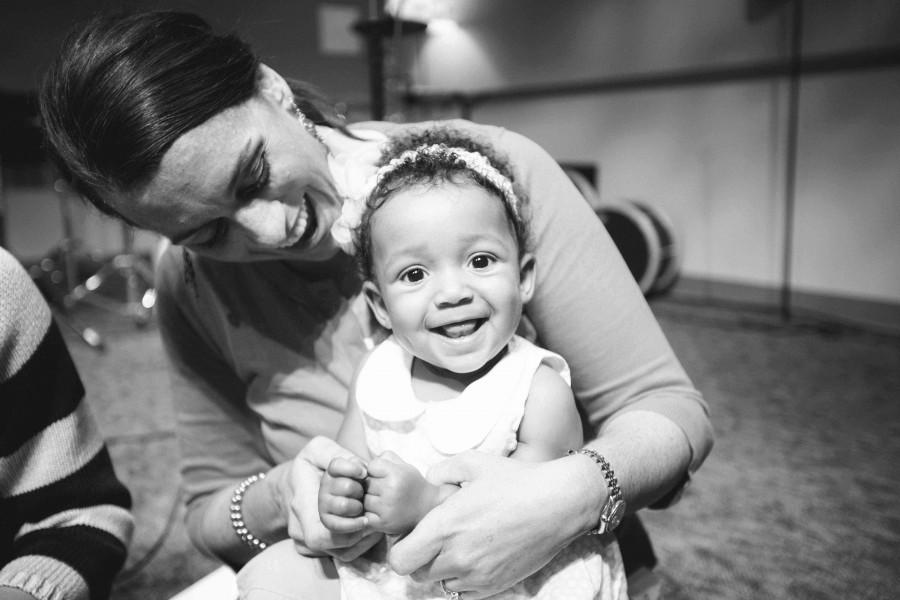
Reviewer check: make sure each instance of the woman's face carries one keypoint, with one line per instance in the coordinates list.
(248, 184)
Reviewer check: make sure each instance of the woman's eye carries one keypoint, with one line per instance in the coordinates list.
(481, 261)
(259, 176)
(413, 275)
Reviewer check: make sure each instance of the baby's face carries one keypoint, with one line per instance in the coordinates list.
(450, 283)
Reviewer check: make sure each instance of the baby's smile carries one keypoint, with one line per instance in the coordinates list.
(459, 329)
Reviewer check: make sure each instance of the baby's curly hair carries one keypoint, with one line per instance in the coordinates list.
(434, 169)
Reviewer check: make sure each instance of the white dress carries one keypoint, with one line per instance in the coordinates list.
(484, 417)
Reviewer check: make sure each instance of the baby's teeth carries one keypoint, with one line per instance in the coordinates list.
(460, 329)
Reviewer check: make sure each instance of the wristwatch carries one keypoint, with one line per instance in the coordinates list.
(614, 508)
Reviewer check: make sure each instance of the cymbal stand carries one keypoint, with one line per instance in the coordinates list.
(58, 270)
(134, 271)
(126, 271)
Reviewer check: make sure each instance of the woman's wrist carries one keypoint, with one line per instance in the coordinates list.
(589, 490)
(238, 522)
(269, 505)
(261, 516)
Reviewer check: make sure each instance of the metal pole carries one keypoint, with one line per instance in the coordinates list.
(790, 176)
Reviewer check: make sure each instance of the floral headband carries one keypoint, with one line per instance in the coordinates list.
(473, 161)
(354, 204)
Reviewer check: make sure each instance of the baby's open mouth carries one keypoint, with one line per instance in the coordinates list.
(459, 329)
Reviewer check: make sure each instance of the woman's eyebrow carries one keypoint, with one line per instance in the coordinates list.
(246, 157)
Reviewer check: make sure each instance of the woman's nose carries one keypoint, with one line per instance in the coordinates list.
(263, 221)
(453, 289)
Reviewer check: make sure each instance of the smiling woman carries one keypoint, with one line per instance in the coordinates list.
(241, 197)
(172, 127)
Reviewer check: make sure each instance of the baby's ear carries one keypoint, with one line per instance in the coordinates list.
(526, 277)
(273, 86)
(376, 303)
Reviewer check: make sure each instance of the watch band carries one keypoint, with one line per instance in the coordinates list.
(614, 508)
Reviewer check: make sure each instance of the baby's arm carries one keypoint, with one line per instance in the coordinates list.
(551, 424)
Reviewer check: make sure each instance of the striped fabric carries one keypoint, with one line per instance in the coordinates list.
(64, 516)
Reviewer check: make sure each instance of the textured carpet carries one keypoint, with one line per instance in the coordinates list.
(798, 500)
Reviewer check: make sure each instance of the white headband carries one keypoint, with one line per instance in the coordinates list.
(473, 161)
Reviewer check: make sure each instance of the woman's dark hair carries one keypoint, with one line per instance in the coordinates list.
(124, 87)
(433, 169)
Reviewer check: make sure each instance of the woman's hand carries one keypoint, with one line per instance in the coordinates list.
(397, 496)
(305, 526)
(509, 519)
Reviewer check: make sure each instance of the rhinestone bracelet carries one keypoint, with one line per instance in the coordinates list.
(237, 518)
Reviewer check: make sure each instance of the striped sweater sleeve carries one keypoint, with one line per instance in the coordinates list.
(65, 521)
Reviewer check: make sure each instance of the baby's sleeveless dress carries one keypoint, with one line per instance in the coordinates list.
(485, 417)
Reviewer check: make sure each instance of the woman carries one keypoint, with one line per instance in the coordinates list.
(162, 123)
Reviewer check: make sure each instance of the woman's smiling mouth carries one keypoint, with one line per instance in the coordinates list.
(304, 224)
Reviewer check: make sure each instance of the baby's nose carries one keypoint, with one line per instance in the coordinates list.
(453, 289)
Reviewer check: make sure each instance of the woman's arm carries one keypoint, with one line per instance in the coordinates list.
(215, 429)
(588, 308)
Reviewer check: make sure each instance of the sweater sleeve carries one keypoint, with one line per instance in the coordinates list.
(218, 434)
(588, 308)
(66, 520)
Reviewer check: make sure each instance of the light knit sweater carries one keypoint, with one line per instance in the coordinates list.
(64, 516)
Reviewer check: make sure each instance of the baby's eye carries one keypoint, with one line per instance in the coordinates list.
(482, 261)
(413, 275)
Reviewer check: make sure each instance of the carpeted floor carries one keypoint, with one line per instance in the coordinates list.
(798, 500)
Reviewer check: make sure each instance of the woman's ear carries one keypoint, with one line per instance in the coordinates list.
(376, 303)
(526, 277)
(273, 86)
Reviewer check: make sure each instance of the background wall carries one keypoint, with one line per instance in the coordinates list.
(709, 151)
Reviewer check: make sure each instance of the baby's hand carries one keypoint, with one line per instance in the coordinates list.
(341, 495)
(397, 495)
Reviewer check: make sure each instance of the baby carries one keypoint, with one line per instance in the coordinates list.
(443, 245)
